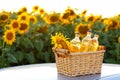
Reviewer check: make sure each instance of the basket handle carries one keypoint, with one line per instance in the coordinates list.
(61, 52)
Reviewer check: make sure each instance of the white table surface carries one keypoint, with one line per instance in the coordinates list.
(48, 71)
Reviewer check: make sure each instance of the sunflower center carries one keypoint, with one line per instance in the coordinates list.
(32, 20)
(64, 45)
(90, 18)
(54, 18)
(41, 11)
(24, 10)
(19, 13)
(83, 29)
(9, 36)
(114, 23)
(23, 18)
(66, 15)
(23, 26)
(3, 17)
(36, 8)
(15, 25)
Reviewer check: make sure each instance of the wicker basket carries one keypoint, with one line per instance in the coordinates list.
(76, 64)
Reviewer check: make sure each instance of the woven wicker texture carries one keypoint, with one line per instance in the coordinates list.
(76, 64)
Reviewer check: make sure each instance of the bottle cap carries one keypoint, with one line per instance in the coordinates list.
(77, 33)
(89, 31)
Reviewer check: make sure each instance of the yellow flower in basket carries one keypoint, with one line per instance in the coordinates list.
(60, 41)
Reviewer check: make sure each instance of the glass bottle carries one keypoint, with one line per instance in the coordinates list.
(85, 41)
(75, 42)
(93, 44)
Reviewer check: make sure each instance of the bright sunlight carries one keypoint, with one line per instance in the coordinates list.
(105, 8)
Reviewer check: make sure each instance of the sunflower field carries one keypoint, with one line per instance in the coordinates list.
(25, 37)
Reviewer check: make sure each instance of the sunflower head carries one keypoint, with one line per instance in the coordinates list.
(60, 41)
(65, 17)
(83, 13)
(15, 25)
(82, 29)
(35, 8)
(24, 27)
(71, 12)
(99, 18)
(42, 29)
(23, 9)
(111, 24)
(52, 18)
(19, 12)
(90, 18)
(32, 19)
(9, 37)
(41, 11)
(23, 17)
(4, 16)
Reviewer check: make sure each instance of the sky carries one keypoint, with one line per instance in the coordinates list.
(106, 8)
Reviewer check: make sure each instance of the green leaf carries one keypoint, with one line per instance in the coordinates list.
(39, 45)
(46, 56)
(30, 57)
(11, 58)
(27, 43)
(19, 56)
(110, 60)
(6, 49)
(14, 16)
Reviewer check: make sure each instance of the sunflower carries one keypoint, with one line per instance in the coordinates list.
(35, 8)
(42, 29)
(83, 13)
(52, 18)
(9, 37)
(111, 24)
(23, 9)
(32, 19)
(90, 18)
(15, 25)
(41, 11)
(65, 17)
(82, 29)
(60, 41)
(99, 18)
(23, 17)
(24, 27)
(4, 16)
(19, 12)
(71, 12)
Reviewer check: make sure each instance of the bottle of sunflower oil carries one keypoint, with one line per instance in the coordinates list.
(75, 42)
(93, 44)
(85, 41)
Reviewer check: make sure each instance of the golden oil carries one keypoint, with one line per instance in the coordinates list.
(93, 44)
(85, 41)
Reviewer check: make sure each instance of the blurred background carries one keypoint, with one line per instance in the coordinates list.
(106, 8)
(27, 26)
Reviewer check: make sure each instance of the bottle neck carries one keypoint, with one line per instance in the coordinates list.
(77, 35)
(88, 35)
(96, 38)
